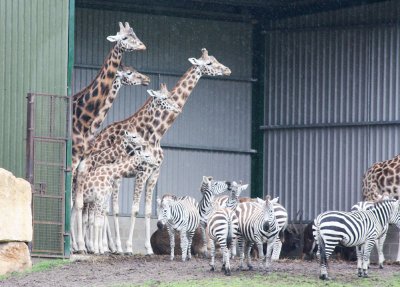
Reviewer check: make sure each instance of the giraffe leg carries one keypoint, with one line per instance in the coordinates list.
(151, 183)
(97, 230)
(85, 222)
(139, 184)
(77, 211)
(90, 228)
(115, 203)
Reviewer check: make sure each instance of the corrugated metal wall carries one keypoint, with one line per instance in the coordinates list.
(328, 75)
(33, 49)
(218, 112)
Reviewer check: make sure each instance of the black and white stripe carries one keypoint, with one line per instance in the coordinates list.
(181, 214)
(365, 205)
(358, 228)
(222, 228)
(209, 189)
(257, 224)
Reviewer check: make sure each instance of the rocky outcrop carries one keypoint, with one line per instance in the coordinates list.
(15, 208)
(14, 256)
(15, 223)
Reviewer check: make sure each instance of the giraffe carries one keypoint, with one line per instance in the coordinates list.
(151, 125)
(96, 187)
(382, 180)
(89, 101)
(98, 157)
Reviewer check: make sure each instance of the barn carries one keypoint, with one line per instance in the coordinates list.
(311, 103)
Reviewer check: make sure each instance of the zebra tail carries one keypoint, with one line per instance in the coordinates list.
(229, 235)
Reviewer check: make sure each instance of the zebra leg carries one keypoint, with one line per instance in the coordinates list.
(249, 245)
(184, 244)
(359, 260)
(212, 253)
(226, 265)
(268, 255)
(276, 250)
(233, 248)
(241, 252)
(261, 255)
(366, 253)
(171, 233)
(379, 246)
(204, 238)
(324, 253)
(190, 235)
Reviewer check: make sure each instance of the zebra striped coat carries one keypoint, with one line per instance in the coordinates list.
(209, 188)
(222, 226)
(365, 205)
(281, 216)
(357, 228)
(179, 214)
(257, 224)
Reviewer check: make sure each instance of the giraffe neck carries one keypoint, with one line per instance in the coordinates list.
(158, 121)
(93, 99)
(116, 85)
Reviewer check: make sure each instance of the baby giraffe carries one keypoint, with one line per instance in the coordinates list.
(96, 186)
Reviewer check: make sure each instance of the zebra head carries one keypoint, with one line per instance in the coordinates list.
(237, 188)
(164, 209)
(395, 218)
(268, 208)
(209, 185)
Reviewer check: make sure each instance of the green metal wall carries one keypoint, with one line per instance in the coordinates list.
(33, 58)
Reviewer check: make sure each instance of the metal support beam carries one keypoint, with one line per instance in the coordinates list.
(258, 98)
(330, 125)
(68, 159)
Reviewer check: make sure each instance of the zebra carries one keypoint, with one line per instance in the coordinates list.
(358, 228)
(209, 188)
(281, 216)
(179, 213)
(222, 226)
(365, 205)
(231, 201)
(257, 224)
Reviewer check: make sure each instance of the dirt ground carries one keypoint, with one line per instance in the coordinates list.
(119, 270)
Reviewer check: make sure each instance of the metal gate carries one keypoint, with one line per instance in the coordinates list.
(47, 136)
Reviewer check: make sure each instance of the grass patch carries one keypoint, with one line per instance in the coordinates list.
(275, 279)
(38, 267)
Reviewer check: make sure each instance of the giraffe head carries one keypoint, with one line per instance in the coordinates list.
(209, 65)
(127, 39)
(129, 76)
(161, 99)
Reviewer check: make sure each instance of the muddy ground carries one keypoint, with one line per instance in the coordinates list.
(120, 270)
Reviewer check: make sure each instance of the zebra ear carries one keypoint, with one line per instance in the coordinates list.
(158, 201)
(259, 200)
(244, 187)
(275, 200)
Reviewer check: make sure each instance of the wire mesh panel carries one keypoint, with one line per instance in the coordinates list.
(46, 166)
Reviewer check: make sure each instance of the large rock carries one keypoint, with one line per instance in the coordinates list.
(15, 208)
(160, 242)
(14, 256)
